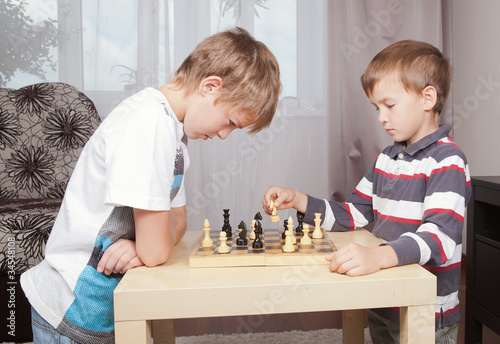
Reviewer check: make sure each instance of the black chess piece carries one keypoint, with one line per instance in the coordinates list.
(257, 243)
(285, 224)
(258, 226)
(300, 220)
(226, 227)
(242, 239)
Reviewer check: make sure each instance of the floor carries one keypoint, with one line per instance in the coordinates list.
(299, 321)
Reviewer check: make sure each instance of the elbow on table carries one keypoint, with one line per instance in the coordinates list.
(151, 259)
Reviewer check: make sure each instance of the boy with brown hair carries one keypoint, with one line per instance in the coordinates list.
(125, 203)
(415, 193)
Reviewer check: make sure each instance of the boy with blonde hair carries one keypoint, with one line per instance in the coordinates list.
(125, 203)
(415, 193)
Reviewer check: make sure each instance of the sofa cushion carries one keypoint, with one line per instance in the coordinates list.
(25, 225)
(43, 130)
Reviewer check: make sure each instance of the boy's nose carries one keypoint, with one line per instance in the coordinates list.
(382, 118)
(224, 133)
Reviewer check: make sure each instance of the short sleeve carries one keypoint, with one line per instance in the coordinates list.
(140, 153)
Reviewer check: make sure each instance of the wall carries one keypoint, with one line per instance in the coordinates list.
(476, 85)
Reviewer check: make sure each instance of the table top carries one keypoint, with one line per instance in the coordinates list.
(492, 182)
(174, 290)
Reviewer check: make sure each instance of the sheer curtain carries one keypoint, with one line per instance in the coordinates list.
(324, 135)
(358, 30)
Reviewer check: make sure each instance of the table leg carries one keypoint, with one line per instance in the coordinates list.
(353, 323)
(417, 324)
(133, 332)
(163, 332)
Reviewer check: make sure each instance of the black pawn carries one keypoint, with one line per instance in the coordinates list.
(242, 239)
(285, 224)
(300, 220)
(226, 227)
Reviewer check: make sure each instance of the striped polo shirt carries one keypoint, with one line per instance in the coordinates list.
(416, 197)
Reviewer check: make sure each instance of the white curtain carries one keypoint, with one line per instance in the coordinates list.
(324, 135)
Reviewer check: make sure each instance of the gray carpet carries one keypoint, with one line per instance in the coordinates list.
(293, 337)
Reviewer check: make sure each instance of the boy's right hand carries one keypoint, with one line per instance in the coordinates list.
(119, 257)
(284, 199)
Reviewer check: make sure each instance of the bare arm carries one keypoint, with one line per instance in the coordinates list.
(157, 232)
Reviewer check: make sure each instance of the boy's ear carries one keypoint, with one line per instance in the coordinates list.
(429, 97)
(210, 84)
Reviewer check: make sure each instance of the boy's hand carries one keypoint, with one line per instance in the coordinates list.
(284, 199)
(119, 257)
(357, 260)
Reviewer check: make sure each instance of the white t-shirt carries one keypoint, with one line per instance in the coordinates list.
(136, 159)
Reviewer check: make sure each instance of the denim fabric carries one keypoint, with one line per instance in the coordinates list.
(383, 331)
(44, 333)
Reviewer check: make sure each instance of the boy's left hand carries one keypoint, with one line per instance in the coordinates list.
(119, 257)
(357, 260)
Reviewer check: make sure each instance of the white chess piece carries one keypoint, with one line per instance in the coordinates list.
(318, 233)
(288, 247)
(306, 240)
(274, 215)
(207, 242)
(252, 235)
(290, 229)
(223, 248)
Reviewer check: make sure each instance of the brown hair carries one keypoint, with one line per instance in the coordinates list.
(249, 72)
(416, 64)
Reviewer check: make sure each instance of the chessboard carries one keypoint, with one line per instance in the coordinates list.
(271, 254)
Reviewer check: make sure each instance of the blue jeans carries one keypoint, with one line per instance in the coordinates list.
(387, 332)
(44, 333)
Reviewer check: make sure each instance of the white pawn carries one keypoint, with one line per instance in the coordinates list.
(223, 248)
(288, 247)
(306, 240)
(252, 235)
(207, 242)
(317, 234)
(290, 229)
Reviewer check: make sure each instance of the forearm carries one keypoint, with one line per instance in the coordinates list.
(154, 238)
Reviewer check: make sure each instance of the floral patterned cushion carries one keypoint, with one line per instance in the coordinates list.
(43, 129)
(25, 225)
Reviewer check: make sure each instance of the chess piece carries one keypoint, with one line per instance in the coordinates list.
(285, 225)
(274, 215)
(223, 247)
(257, 243)
(207, 242)
(226, 227)
(288, 247)
(252, 234)
(242, 239)
(290, 228)
(258, 227)
(318, 233)
(306, 240)
(300, 220)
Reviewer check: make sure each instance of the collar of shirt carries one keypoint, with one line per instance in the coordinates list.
(400, 147)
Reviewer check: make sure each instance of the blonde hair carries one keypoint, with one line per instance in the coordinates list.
(415, 64)
(249, 72)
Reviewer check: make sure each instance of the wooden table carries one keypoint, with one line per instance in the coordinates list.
(175, 291)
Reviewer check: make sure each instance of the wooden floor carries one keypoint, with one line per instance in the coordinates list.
(299, 321)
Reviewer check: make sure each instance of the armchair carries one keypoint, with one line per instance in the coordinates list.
(43, 128)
